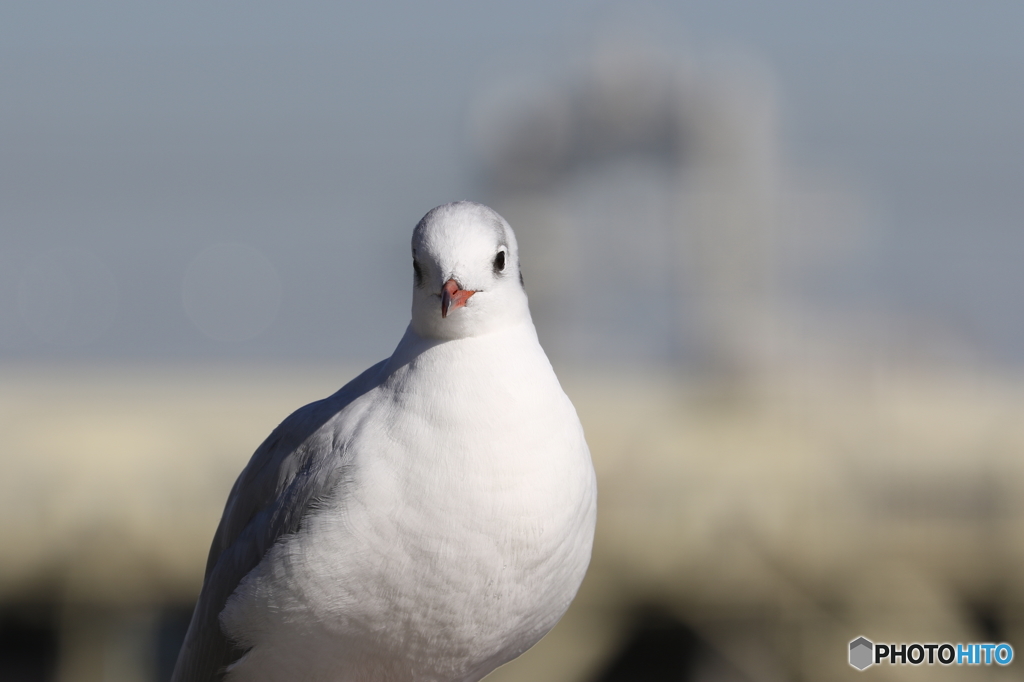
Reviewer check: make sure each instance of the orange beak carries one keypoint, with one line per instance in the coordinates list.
(453, 297)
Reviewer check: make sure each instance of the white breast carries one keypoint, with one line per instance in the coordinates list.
(459, 539)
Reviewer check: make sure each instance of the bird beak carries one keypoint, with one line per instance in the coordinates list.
(453, 297)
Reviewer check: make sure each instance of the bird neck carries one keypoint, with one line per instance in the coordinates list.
(413, 344)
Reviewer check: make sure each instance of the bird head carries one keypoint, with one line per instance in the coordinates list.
(466, 278)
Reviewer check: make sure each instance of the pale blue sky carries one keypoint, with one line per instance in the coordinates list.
(318, 134)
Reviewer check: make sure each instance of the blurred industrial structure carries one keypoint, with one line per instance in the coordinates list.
(647, 194)
(758, 509)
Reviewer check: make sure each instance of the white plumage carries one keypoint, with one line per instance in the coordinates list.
(431, 520)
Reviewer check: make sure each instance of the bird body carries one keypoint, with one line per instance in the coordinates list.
(431, 520)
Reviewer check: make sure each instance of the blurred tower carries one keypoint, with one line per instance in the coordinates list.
(646, 193)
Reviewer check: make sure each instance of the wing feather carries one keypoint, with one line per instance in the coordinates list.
(296, 467)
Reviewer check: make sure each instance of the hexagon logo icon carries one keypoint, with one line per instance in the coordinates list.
(861, 653)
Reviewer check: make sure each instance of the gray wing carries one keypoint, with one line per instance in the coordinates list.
(293, 470)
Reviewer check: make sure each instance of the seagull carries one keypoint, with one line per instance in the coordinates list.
(431, 520)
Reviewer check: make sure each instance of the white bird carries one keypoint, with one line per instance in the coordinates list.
(431, 520)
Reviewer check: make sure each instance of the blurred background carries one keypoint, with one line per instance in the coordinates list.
(773, 250)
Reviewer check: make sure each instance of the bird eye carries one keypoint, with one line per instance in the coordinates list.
(499, 261)
(418, 272)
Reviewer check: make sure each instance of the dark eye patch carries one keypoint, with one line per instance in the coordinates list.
(499, 261)
(418, 271)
